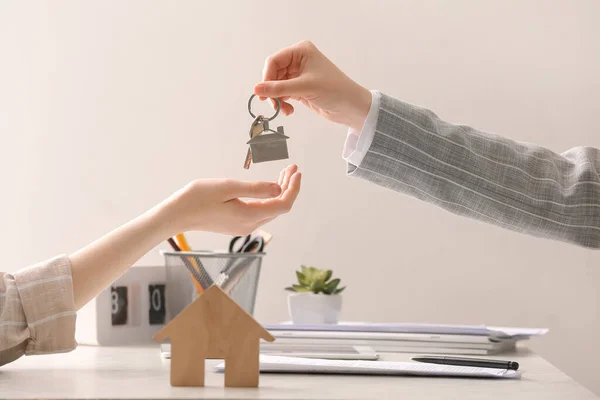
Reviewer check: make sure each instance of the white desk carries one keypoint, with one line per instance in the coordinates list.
(122, 373)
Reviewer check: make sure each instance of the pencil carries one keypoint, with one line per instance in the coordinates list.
(173, 244)
(188, 261)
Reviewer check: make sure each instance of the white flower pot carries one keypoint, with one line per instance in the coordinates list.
(310, 308)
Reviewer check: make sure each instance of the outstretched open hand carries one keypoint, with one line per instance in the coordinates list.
(234, 207)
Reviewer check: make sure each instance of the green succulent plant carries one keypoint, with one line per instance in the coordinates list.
(315, 281)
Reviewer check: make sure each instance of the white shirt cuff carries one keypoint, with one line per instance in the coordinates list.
(358, 143)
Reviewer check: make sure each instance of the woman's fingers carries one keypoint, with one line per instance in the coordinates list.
(271, 208)
(289, 171)
(257, 190)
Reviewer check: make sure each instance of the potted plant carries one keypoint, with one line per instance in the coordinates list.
(316, 297)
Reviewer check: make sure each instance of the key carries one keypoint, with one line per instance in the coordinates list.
(258, 126)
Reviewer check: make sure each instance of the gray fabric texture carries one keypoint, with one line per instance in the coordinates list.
(514, 185)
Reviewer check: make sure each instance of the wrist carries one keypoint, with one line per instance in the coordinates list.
(165, 219)
(358, 107)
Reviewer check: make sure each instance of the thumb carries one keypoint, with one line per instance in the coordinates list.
(256, 190)
(290, 87)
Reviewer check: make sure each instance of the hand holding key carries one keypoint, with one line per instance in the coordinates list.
(265, 143)
(302, 73)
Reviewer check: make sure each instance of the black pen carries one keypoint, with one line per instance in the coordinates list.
(468, 362)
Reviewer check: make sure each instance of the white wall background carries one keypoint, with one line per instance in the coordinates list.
(106, 107)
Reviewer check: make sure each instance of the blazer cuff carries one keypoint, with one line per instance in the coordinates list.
(358, 143)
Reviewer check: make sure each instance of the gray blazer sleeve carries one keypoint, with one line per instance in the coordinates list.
(514, 185)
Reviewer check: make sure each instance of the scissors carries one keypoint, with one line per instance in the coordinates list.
(248, 245)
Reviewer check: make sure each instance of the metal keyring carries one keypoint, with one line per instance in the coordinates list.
(268, 119)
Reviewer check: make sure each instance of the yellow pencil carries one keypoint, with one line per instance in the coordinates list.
(184, 246)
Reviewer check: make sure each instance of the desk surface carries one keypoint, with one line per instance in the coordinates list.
(109, 372)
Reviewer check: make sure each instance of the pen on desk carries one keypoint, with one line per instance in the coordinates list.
(468, 362)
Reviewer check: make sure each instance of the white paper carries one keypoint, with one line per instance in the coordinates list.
(305, 365)
(475, 330)
(518, 332)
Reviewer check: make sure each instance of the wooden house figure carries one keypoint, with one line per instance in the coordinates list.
(269, 146)
(214, 326)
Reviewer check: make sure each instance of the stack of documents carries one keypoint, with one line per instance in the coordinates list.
(407, 338)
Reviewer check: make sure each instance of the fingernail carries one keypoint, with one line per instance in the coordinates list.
(275, 190)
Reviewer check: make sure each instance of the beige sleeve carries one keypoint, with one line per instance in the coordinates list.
(37, 312)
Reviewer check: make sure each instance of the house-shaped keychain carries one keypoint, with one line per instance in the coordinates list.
(269, 146)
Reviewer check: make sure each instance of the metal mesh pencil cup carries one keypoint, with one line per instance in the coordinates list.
(236, 273)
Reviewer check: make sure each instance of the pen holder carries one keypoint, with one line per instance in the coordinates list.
(236, 273)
